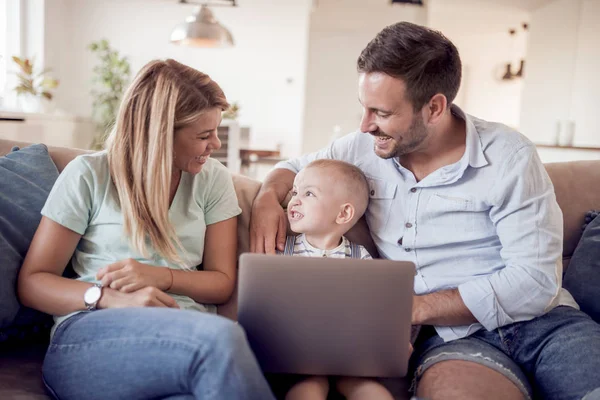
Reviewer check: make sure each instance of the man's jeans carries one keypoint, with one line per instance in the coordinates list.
(557, 355)
(152, 353)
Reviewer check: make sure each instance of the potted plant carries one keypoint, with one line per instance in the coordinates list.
(33, 86)
(232, 112)
(111, 77)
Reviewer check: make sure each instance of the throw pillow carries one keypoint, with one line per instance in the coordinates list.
(26, 177)
(582, 278)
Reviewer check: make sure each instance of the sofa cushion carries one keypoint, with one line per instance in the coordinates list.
(576, 187)
(582, 278)
(26, 177)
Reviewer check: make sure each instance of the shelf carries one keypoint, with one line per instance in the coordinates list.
(555, 146)
(19, 116)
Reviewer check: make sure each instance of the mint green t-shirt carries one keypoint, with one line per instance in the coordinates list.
(85, 200)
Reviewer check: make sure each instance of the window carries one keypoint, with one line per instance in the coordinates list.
(3, 56)
(10, 45)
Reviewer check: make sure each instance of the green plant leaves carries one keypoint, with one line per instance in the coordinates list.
(49, 83)
(111, 76)
(37, 84)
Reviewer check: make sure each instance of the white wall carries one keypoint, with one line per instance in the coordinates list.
(563, 83)
(339, 30)
(480, 32)
(264, 72)
(551, 58)
(586, 80)
(57, 38)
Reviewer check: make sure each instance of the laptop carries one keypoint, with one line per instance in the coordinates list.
(327, 316)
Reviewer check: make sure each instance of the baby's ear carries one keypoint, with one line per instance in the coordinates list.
(346, 214)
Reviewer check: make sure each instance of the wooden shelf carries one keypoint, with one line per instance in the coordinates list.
(555, 146)
(245, 153)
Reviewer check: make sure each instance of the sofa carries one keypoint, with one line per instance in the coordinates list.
(575, 183)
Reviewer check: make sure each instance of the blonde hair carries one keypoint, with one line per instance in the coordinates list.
(352, 181)
(164, 97)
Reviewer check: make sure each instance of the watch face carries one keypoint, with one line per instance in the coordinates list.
(92, 295)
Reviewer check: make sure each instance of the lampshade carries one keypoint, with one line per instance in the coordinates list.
(201, 29)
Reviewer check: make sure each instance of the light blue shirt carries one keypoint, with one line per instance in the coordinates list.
(488, 224)
(85, 200)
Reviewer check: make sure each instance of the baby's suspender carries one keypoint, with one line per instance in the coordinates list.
(290, 241)
(354, 251)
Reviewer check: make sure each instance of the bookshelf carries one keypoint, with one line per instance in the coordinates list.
(229, 153)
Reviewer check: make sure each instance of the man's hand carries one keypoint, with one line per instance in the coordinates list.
(268, 224)
(130, 276)
(443, 308)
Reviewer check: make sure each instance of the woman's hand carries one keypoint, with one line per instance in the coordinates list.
(146, 297)
(130, 276)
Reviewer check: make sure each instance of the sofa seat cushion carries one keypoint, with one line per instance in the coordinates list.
(21, 373)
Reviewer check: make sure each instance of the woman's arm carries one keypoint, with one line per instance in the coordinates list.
(41, 285)
(213, 285)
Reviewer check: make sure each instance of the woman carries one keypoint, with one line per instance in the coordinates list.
(135, 220)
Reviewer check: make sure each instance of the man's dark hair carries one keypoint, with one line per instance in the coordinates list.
(423, 58)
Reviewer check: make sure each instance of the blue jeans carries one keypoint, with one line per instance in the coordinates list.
(152, 353)
(555, 356)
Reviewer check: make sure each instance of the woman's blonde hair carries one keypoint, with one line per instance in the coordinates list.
(164, 97)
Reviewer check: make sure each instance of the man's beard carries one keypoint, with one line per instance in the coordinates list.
(411, 139)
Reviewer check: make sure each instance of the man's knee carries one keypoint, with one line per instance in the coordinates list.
(457, 379)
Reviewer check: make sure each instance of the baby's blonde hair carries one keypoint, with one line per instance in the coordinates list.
(164, 97)
(352, 182)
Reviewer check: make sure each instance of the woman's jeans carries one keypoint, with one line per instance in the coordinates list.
(152, 353)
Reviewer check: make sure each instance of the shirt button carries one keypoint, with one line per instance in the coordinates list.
(372, 193)
(400, 241)
(408, 225)
(408, 249)
(413, 190)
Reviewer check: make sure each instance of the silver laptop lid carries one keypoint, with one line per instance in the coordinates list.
(327, 316)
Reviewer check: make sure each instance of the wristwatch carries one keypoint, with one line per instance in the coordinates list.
(92, 295)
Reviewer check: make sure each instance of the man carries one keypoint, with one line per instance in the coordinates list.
(470, 204)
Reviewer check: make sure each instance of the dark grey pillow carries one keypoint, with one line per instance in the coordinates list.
(26, 177)
(582, 278)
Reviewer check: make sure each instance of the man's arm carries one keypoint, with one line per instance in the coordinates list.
(443, 308)
(529, 224)
(278, 184)
(268, 222)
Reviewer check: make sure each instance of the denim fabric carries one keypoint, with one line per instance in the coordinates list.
(26, 177)
(557, 354)
(152, 353)
(582, 278)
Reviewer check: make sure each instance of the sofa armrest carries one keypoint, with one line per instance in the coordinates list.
(246, 190)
